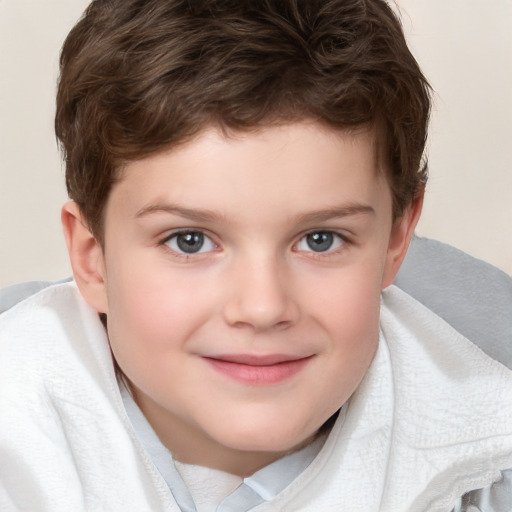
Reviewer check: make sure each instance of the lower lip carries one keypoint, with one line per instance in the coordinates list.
(258, 375)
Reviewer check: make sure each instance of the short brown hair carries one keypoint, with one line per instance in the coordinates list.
(138, 76)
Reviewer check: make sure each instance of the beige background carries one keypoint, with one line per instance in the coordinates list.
(464, 47)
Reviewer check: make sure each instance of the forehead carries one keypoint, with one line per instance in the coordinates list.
(277, 165)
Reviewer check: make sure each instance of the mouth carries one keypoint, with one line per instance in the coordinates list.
(258, 370)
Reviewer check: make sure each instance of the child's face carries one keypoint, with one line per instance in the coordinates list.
(241, 282)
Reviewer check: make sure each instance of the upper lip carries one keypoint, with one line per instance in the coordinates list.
(257, 360)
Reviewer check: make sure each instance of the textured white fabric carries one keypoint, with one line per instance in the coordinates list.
(66, 444)
(431, 420)
(207, 486)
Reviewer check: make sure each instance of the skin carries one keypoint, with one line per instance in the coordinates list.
(259, 286)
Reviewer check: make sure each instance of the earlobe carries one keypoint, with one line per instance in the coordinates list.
(86, 256)
(401, 234)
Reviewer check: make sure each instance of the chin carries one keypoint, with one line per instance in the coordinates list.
(271, 437)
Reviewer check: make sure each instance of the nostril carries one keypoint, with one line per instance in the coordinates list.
(261, 317)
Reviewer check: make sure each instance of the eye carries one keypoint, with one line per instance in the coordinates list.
(320, 241)
(190, 242)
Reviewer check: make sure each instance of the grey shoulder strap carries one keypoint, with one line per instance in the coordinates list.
(11, 295)
(471, 295)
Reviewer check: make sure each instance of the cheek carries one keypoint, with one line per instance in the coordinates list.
(348, 301)
(348, 310)
(355, 334)
(150, 325)
(359, 320)
(154, 312)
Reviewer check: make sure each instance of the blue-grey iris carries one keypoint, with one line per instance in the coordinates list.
(320, 241)
(190, 242)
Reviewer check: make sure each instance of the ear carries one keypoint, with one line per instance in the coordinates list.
(86, 256)
(401, 234)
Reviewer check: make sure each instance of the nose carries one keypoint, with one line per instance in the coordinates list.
(261, 296)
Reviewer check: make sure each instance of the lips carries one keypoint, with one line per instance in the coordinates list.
(258, 370)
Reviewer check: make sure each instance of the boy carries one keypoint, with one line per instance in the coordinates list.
(245, 178)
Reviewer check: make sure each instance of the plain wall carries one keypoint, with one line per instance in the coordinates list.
(463, 46)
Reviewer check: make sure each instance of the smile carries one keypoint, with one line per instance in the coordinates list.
(258, 370)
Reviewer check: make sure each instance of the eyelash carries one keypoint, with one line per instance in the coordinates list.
(343, 241)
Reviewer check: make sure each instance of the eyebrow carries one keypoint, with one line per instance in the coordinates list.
(336, 212)
(204, 215)
(195, 214)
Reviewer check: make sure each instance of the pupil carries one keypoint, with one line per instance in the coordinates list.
(190, 242)
(320, 242)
